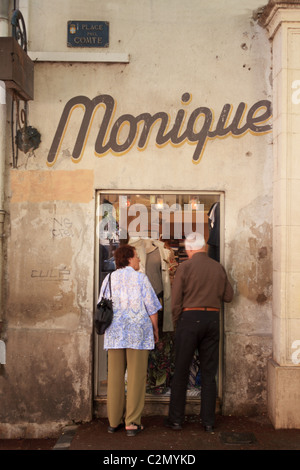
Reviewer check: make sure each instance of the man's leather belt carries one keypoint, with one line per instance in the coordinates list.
(209, 309)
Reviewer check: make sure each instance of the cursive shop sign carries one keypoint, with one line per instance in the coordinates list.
(119, 136)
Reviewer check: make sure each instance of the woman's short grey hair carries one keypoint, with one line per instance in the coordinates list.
(194, 242)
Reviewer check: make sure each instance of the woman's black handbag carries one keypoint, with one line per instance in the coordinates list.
(104, 312)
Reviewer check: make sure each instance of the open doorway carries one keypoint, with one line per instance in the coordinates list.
(132, 216)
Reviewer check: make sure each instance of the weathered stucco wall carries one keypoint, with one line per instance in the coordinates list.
(47, 377)
(219, 55)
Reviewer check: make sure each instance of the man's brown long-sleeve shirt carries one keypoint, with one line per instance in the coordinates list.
(199, 282)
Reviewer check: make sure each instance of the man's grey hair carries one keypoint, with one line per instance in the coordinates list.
(194, 241)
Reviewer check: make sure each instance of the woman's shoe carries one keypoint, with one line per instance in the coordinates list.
(134, 431)
(111, 429)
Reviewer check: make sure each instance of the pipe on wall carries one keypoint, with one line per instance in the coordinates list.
(4, 29)
(4, 13)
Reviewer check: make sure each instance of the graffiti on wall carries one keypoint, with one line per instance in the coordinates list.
(120, 135)
(52, 274)
(61, 228)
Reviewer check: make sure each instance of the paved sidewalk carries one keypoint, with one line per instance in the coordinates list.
(231, 433)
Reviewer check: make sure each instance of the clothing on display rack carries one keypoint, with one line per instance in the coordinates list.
(214, 232)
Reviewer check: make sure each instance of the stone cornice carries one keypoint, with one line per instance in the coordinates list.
(278, 11)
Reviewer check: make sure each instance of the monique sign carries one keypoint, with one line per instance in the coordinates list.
(195, 128)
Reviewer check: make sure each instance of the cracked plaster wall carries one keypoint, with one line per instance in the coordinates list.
(248, 324)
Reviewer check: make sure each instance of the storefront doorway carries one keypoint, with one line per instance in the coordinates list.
(154, 220)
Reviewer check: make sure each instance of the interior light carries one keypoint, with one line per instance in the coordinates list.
(193, 202)
(160, 203)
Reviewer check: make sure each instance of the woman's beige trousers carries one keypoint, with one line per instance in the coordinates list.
(120, 406)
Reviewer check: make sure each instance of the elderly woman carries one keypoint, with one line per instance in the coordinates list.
(128, 340)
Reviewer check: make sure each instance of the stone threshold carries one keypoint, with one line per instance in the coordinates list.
(155, 405)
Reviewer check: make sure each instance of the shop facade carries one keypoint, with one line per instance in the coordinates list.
(139, 104)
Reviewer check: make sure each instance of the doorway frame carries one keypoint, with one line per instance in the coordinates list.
(98, 341)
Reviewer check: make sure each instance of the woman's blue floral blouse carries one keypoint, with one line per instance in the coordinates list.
(134, 301)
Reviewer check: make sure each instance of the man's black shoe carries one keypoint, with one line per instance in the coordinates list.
(209, 429)
(175, 426)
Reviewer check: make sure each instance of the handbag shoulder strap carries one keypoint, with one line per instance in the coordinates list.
(109, 280)
(109, 283)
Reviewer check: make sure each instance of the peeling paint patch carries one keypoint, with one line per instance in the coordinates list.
(252, 254)
(47, 377)
(246, 379)
(39, 186)
(253, 266)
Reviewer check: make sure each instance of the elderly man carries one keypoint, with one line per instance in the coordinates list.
(199, 288)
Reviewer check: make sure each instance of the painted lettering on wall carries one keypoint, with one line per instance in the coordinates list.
(53, 274)
(196, 127)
